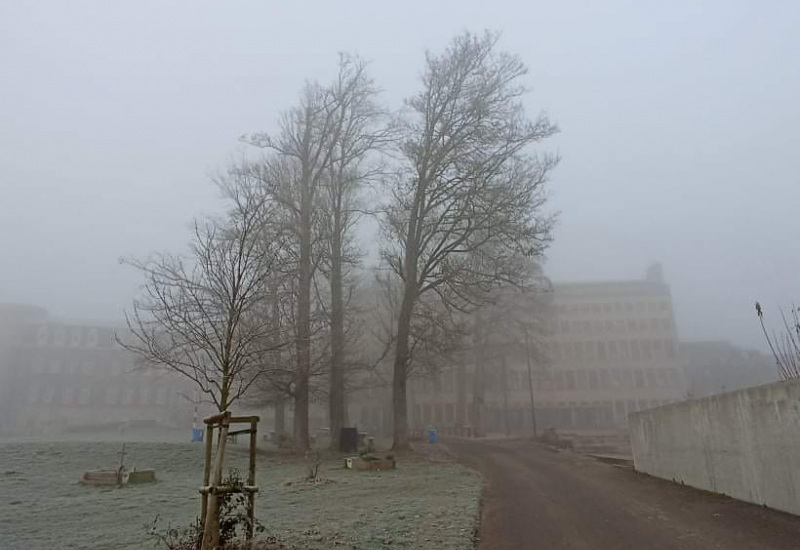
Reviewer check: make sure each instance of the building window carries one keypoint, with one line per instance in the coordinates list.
(41, 337)
(565, 326)
(61, 336)
(636, 350)
(49, 395)
(566, 351)
(570, 378)
(33, 393)
(581, 379)
(639, 381)
(587, 327)
(606, 308)
(654, 324)
(85, 394)
(647, 352)
(112, 396)
(91, 338)
(37, 365)
(631, 325)
(624, 349)
(614, 378)
(129, 396)
(613, 351)
(578, 351)
(161, 396)
(144, 396)
(603, 378)
(75, 338)
(450, 414)
(68, 397)
(601, 351)
(593, 382)
(55, 366)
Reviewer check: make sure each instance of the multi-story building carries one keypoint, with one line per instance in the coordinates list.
(57, 376)
(611, 350)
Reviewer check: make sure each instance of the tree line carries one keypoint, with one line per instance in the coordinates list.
(265, 303)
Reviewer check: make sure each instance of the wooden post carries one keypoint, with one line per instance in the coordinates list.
(207, 471)
(211, 525)
(251, 479)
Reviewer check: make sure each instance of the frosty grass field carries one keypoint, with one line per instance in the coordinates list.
(420, 505)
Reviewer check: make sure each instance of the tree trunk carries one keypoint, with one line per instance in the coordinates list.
(530, 385)
(280, 418)
(478, 392)
(303, 345)
(400, 375)
(461, 396)
(336, 411)
(505, 395)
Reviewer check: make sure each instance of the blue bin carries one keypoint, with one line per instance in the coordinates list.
(432, 435)
(197, 435)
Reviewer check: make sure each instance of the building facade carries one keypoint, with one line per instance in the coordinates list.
(611, 349)
(57, 377)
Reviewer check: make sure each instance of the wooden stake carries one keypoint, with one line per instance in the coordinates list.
(251, 479)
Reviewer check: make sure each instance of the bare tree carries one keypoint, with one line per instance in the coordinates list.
(303, 147)
(512, 320)
(468, 203)
(360, 131)
(202, 316)
(785, 346)
(319, 160)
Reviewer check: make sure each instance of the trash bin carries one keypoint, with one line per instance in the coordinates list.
(348, 440)
(432, 435)
(197, 435)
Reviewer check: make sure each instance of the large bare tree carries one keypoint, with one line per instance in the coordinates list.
(294, 175)
(469, 202)
(319, 160)
(361, 131)
(202, 315)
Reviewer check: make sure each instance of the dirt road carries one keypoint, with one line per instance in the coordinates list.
(539, 499)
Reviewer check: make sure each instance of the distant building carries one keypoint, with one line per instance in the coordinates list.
(58, 376)
(612, 350)
(716, 367)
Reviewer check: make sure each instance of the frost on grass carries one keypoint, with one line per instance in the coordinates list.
(420, 505)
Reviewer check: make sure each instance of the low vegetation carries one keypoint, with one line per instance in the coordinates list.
(421, 504)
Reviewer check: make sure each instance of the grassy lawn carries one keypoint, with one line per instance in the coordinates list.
(422, 504)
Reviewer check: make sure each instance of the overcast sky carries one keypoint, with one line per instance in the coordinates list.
(680, 132)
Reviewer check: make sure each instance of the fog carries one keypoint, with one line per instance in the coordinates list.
(680, 131)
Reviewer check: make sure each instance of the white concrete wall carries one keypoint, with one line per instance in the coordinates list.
(744, 444)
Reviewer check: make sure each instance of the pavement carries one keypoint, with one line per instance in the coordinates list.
(541, 499)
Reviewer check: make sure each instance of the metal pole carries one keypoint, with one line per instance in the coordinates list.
(530, 383)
